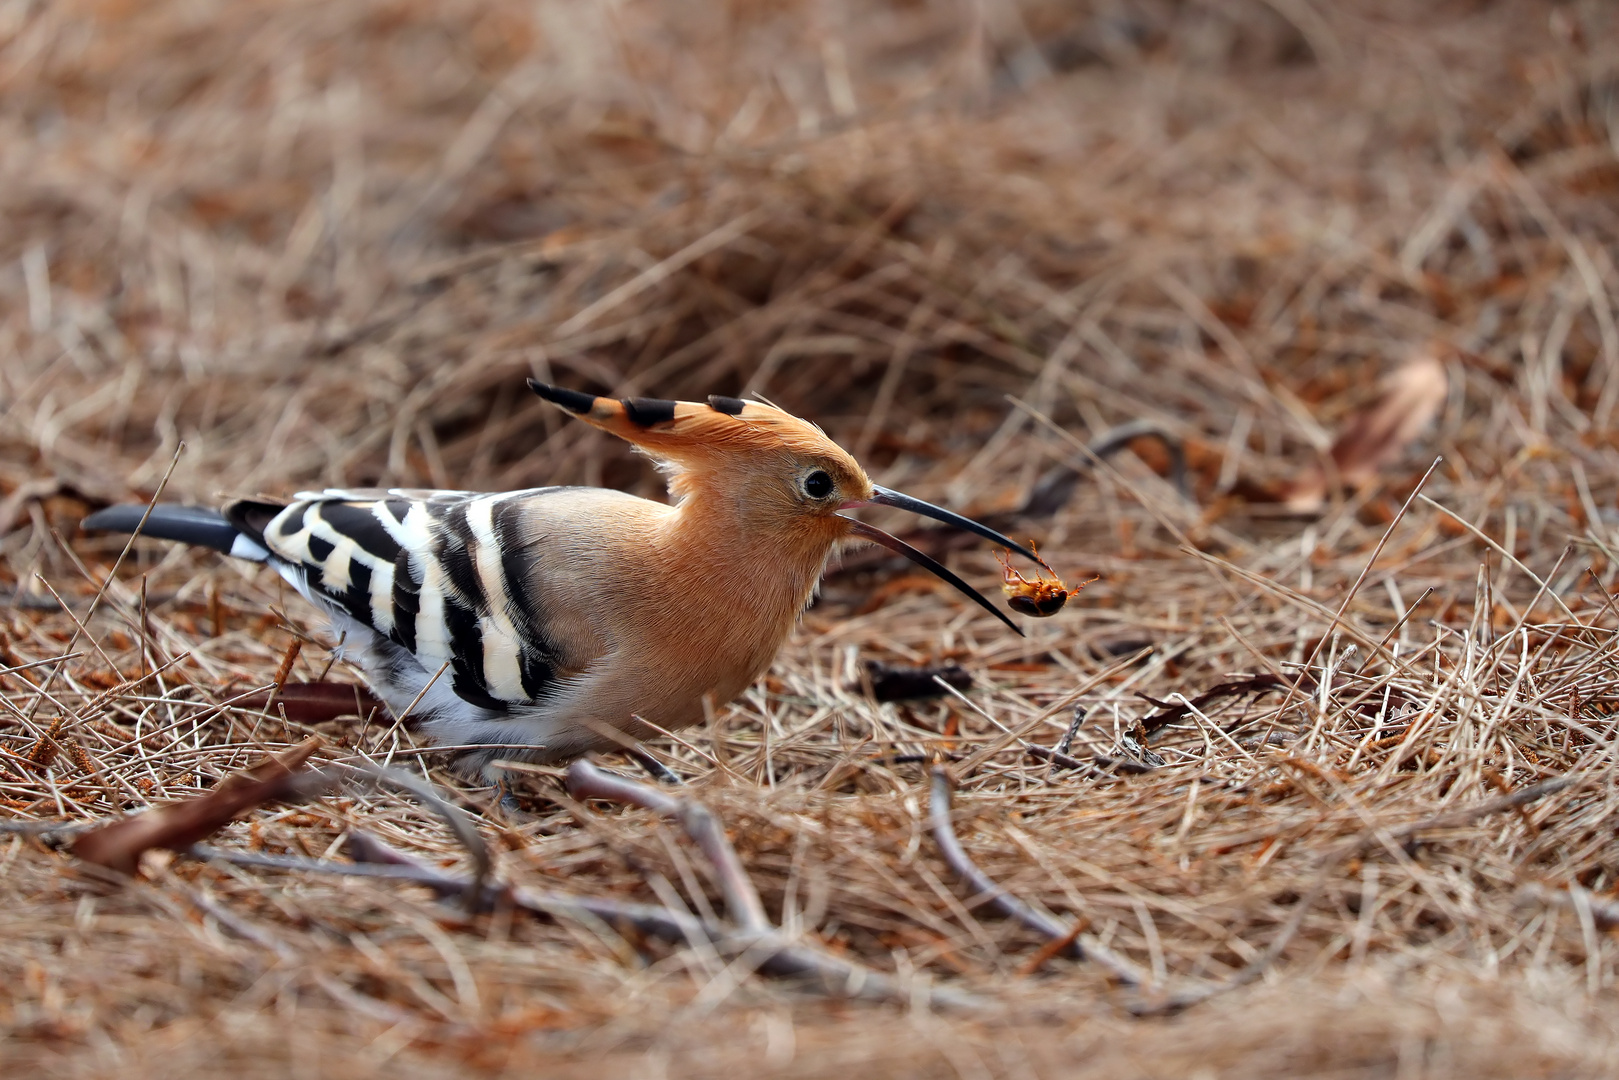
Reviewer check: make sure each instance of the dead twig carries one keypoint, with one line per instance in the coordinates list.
(585, 781)
(1056, 757)
(459, 823)
(944, 834)
(1467, 815)
(177, 826)
(1185, 999)
(776, 954)
(95, 601)
(314, 702)
(1174, 713)
(1604, 913)
(1066, 743)
(1053, 490)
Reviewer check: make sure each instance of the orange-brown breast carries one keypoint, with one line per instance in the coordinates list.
(653, 607)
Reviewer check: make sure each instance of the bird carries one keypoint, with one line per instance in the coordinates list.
(544, 623)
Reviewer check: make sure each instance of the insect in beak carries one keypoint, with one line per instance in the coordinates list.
(886, 497)
(1041, 597)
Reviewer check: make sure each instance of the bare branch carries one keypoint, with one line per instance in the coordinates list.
(585, 781)
(118, 846)
(778, 956)
(460, 824)
(944, 834)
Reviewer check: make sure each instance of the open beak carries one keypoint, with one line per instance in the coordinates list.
(927, 562)
(888, 497)
(885, 497)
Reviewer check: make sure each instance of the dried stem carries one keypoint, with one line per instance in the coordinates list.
(585, 781)
(776, 955)
(944, 834)
(460, 824)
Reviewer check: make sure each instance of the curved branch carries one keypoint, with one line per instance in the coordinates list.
(585, 781)
(944, 834)
(458, 821)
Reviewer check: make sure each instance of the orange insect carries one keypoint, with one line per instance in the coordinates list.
(1042, 597)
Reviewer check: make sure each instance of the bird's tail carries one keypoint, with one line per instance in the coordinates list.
(239, 534)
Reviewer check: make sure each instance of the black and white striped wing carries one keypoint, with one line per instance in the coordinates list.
(445, 575)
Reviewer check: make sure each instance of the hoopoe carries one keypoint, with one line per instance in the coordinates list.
(557, 620)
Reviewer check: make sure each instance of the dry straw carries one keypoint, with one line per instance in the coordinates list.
(1342, 800)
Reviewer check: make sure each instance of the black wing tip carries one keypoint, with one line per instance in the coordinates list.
(252, 516)
(575, 401)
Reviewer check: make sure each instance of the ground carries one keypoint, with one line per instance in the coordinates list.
(1344, 803)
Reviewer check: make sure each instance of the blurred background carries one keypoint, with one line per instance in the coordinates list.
(322, 243)
(1296, 250)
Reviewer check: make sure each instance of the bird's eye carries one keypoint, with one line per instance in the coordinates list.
(818, 484)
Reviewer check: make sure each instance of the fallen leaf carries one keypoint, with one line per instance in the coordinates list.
(176, 826)
(892, 683)
(1378, 434)
(318, 702)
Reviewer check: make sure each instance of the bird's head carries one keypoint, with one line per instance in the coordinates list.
(778, 475)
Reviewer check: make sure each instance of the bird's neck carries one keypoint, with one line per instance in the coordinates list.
(722, 589)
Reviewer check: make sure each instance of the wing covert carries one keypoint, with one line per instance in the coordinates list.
(444, 575)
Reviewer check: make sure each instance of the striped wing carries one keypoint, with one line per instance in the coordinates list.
(444, 575)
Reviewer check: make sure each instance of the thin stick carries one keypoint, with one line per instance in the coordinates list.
(663, 270)
(1395, 629)
(1255, 968)
(453, 816)
(585, 781)
(1467, 815)
(82, 629)
(944, 834)
(52, 660)
(781, 958)
(1604, 913)
(1349, 597)
(1503, 552)
(1371, 561)
(1062, 760)
(1067, 741)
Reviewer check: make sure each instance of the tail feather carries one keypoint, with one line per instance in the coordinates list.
(199, 526)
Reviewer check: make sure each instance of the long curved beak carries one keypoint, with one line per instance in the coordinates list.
(888, 497)
(894, 543)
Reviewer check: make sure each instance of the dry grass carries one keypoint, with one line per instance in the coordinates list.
(323, 242)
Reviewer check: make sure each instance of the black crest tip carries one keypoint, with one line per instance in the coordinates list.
(645, 412)
(730, 406)
(573, 400)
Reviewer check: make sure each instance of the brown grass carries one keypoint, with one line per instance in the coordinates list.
(322, 243)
